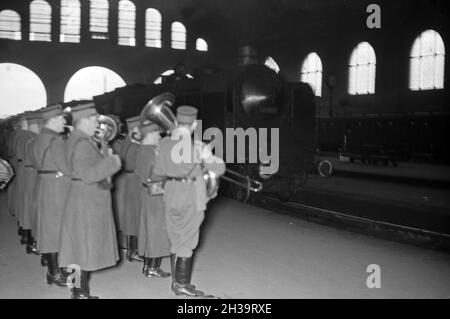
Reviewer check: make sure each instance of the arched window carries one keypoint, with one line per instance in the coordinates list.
(362, 70)
(312, 72)
(91, 81)
(271, 64)
(201, 45)
(70, 21)
(10, 25)
(152, 28)
(178, 36)
(16, 79)
(40, 21)
(427, 61)
(98, 25)
(127, 23)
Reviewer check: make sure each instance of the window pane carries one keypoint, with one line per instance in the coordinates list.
(312, 72)
(99, 19)
(10, 25)
(178, 36)
(201, 45)
(362, 68)
(70, 21)
(152, 28)
(427, 70)
(127, 17)
(40, 21)
(439, 72)
(414, 74)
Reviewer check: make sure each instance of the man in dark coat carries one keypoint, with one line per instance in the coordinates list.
(53, 186)
(153, 238)
(185, 195)
(30, 176)
(21, 138)
(88, 233)
(129, 192)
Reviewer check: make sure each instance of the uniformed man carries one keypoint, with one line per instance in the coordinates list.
(128, 193)
(153, 238)
(22, 137)
(52, 188)
(30, 176)
(88, 234)
(185, 195)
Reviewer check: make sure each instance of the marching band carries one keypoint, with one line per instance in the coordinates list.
(80, 197)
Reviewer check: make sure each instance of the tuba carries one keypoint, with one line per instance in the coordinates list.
(6, 173)
(158, 110)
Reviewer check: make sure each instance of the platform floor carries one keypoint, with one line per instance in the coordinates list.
(248, 252)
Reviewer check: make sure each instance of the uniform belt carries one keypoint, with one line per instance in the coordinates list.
(181, 179)
(56, 173)
(19, 160)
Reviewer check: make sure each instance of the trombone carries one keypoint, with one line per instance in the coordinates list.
(249, 183)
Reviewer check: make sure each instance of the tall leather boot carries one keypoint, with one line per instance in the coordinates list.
(121, 241)
(153, 268)
(23, 234)
(183, 272)
(31, 244)
(54, 274)
(44, 262)
(132, 254)
(83, 291)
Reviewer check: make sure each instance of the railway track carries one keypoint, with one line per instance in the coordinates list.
(389, 231)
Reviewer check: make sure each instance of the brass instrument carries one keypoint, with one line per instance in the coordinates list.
(6, 173)
(106, 130)
(158, 110)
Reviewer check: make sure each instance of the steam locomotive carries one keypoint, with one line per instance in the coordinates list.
(248, 96)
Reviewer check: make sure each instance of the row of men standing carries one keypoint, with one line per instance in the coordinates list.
(61, 196)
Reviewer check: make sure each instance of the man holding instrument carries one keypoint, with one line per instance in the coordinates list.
(185, 195)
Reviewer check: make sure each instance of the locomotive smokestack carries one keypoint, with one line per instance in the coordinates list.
(247, 55)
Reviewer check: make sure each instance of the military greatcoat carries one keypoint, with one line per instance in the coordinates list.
(54, 182)
(88, 234)
(30, 173)
(153, 240)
